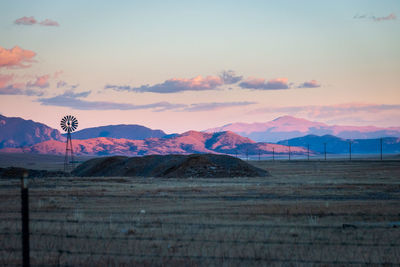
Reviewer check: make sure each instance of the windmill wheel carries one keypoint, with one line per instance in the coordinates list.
(69, 123)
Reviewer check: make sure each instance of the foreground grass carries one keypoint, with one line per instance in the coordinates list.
(307, 213)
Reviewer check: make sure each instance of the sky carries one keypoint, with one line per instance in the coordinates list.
(194, 65)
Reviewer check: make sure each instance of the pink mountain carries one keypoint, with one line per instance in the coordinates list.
(187, 143)
(287, 127)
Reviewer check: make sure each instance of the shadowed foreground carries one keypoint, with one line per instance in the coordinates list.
(306, 213)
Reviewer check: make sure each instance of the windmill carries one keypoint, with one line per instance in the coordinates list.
(69, 124)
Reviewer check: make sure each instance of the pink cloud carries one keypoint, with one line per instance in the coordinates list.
(15, 57)
(260, 84)
(174, 85)
(9, 87)
(25, 21)
(41, 82)
(49, 22)
(310, 84)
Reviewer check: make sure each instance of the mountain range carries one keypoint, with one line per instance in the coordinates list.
(288, 127)
(186, 143)
(19, 135)
(337, 145)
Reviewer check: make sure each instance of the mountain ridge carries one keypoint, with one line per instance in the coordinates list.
(187, 143)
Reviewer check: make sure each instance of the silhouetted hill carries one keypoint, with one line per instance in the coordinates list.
(17, 132)
(176, 166)
(187, 143)
(130, 131)
(339, 145)
(288, 127)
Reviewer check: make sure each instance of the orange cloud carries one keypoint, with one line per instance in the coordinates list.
(15, 57)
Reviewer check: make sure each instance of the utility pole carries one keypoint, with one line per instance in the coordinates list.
(325, 150)
(381, 149)
(273, 154)
(25, 219)
(350, 148)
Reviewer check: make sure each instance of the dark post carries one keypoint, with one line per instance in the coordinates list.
(381, 148)
(247, 154)
(325, 150)
(350, 149)
(289, 152)
(273, 154)
(308, 151)
(25, 219)
(259, 155)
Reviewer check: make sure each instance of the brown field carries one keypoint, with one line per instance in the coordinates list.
(308, 213)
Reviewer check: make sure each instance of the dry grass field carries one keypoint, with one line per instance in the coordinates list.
(307, 213)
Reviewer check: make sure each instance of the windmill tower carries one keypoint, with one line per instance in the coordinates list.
(69, 124)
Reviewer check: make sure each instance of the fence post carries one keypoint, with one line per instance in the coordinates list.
(25, 219)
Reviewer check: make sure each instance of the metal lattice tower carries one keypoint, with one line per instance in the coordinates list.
(69, 124)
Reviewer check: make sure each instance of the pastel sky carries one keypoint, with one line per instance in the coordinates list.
(181, 65)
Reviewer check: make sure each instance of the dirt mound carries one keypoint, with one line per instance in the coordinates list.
(169, 166)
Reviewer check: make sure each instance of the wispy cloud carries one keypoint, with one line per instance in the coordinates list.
(65, 85)
(41, 82)
(310, 84)
(216, 106)
(77, 101)
(73, 100)
(175, 85)
(32, 21)
(49, 22)
(15, 57)
(9, 87)
(261, 84)
(391, 16)
(25, 21)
